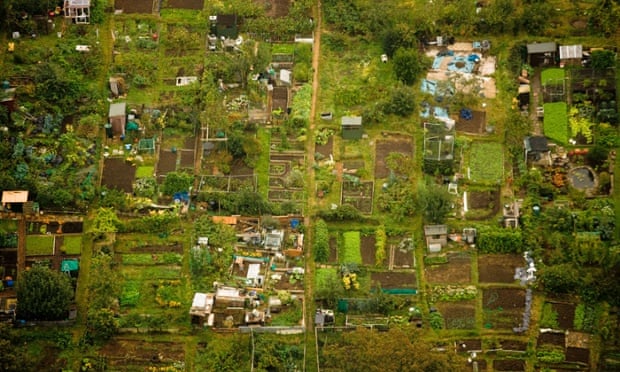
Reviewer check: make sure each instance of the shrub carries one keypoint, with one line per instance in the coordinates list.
(436, 320)
(321, 241)
(500, 241)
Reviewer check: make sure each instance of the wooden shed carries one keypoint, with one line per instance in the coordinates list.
(436, 237)
(118, 118)
(542, 54)
(352, 127)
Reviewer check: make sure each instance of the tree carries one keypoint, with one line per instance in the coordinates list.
(105, 221)
(177, 182)
(43, 294)
(401, 102)
(408, 65)
(435, 202)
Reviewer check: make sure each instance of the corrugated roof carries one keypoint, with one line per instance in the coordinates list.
(571, 51)
(536, 48)
(14, 196)
(351, 120)
(435, 229)
(118, 109)
(226, 220)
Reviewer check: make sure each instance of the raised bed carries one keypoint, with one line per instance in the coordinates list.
(511, 365)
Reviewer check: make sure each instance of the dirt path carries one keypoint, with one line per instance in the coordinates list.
(535, 88)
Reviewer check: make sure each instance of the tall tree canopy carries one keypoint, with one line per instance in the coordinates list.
(43, 294)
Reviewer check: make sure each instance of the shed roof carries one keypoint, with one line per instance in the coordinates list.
(571, 51)
(536, 48)
(226, 220)
(536, 144)
(14, 196)
(117, 109)
(77, 3)
(435, 229)
(351, 121)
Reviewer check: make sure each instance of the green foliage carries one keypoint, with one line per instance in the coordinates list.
(105, 283)
(408, 65)
(435, 202)
(487, 162)
(106, 221)
(351, 250)
(300, 108)
(398, 199)
(226, 352)
(580, 125)
(563, 278)
(177, 182)
(549, 317)
(344, 212)
(587, 317)
(603, 59)
(130, 295)
(380, 240)
(550, 356)
(43, 294)
(102, 323)
(401, 102)
(498, 240)
(435, 260)
(72, 244)
(453, 293)
(552, 76)
(154, 224)
(436, 320)
(556, 122)
(39, 244)
(321, 241)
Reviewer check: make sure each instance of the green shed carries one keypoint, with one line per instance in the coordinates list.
(352, 127)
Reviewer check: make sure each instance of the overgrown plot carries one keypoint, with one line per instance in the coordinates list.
(486, 162)
(456, 271)
(385, 147)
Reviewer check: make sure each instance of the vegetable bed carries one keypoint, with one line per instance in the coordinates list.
(351, 250)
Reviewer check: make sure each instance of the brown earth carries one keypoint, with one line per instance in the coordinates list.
(503, 307)
(574, 354)
(367, 249)
(456, 271)
(136, 6)
(403, 258)
(118, 174)
(394, 279)
(186, 4)
(508, 365)
(498, 268)
(398, 144)
(513, 345)
(549, 338)
(460, 315)
(167, 162)
(121, 352)
(566, 314)
(484, 200)
(327, 148)
(333, 250)
(477, 124)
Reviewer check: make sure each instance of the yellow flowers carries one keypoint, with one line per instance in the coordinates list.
(350, 281)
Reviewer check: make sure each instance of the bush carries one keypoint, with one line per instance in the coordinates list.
(436, 320)
(321, 241)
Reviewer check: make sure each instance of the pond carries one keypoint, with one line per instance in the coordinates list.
(582, 178)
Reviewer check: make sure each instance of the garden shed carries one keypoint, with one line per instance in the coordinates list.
(536, 148)
(118, 118)
(540, 54)
(436, 237)
(78, 11)
(351, 127)
(10, 197)
(571, 54)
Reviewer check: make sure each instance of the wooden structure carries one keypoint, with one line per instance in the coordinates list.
(78, 11)
(436, 237)
(351, 127)
(571, 54)
(118, 118)
(541, 54)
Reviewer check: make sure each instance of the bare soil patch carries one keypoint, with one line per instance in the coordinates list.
(333, 250)
(118, 174)
(393, 279)
(398, 144)
(326, 149)
(187, 159)
(459, 315)
(566, 314)
(456, 271)
(503, 307)
(186, 4)
(475, 125)
(575, 354)
(484, 201)
(508, 365)
(276, 8)
(402, 258)
(238, 168)
(358, 195)
(498, 268)
(552, 338)
(513, 345)
(368, 249)
(167, 162)
(136, 6)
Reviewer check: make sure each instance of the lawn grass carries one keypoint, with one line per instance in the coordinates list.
(325, 277)
(72, 244)
(556, 122)
(486, 162)
(37, 245)
(552, 76)
(151, 272)
(151, 259)
(351, 248)
(145, 171)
